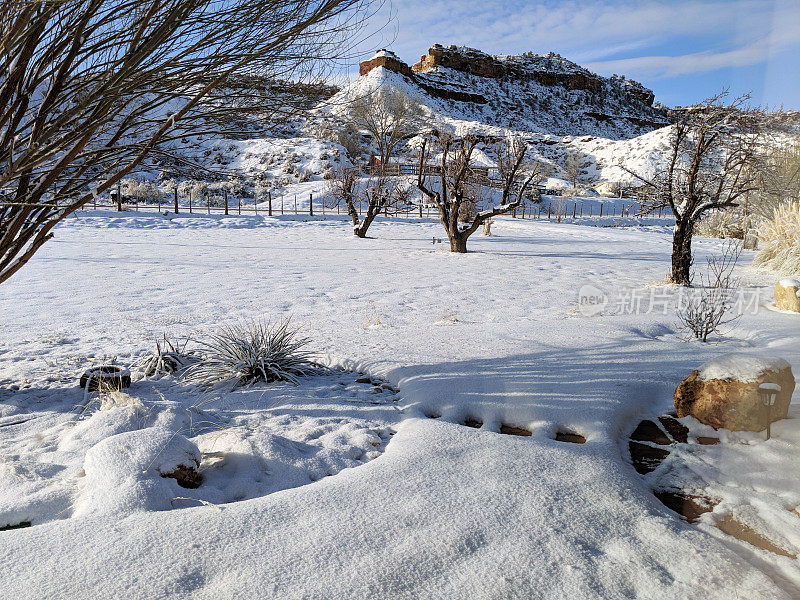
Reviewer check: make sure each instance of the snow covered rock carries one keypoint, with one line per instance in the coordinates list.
(787, 294)
(135, 471)
(723, 393)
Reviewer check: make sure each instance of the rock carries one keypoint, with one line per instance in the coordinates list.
(646, 458)
(787, 294)
(678, 431)
(689, 506)
(647, 431)
(570, 437)
(724, 393)
(514, 430)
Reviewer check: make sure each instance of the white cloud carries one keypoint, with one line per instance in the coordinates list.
(690, 36)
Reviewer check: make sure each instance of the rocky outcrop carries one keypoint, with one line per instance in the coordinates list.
(523, 68)
(387, 60)
(787, 295)
(724, 394)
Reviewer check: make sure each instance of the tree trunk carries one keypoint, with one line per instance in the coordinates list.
(682, 253)
(458, 244)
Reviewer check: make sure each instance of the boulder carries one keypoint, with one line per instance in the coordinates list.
(724, 392)
(787, 294)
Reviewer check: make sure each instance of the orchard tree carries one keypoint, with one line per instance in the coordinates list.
(379, 193)
(712, 163)
(457, 183)
(90, 88)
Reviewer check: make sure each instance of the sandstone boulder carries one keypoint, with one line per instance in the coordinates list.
(724, 392)
(787, 295)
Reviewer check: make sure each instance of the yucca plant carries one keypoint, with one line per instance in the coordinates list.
(245, 354)
(779, 240)
(169, 357)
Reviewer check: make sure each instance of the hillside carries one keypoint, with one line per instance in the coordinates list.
(536, 93)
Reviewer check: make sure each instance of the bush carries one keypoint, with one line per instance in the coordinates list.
(168, 358)
(779, 239)
(708, 308)
(246, 354)
(141, 191)
(723, 224)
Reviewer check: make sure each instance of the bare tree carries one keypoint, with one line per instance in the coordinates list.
(389, 116)
(572, 167)
(779, 183)
(90, 88)
(709, 165)
(455, 178)
(380, 194)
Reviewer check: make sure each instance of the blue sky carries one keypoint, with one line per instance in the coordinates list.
(684, 50)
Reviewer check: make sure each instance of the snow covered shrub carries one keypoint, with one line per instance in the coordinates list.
(723, 224)
(249, 353)
(779, 239)
(141, 191)
(168, 357)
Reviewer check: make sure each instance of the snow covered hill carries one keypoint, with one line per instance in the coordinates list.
(536, 93)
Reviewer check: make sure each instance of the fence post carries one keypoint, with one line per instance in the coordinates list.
(601, 210)
(549, 206)
(208, 203)
(581, 209)
(190, 202)
(119, 198)
(295, 204)
(240, 205)
(269, 199)
(225, 196)
(281, 203)
(574, 206)
(311, 205)
(175, 191)
(420, 211)
(159, 203)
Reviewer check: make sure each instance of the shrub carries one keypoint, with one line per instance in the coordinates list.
(779, 239)
(169, 357)
(249, 353)
(708, 309)
(723, 224)
(141, 191)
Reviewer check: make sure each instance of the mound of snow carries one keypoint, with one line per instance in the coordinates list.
(746, 368)
(125, 472)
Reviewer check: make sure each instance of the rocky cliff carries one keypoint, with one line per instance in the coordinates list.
(532, 92)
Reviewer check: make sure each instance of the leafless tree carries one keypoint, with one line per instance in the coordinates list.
(710, 164)
(708, 307)
(779, 183)
(389, 116)
(572, 167)
(455, 177)
(379, 192)
(90, 88)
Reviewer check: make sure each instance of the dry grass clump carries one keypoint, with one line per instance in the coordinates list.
(779, 240)
(250, 353)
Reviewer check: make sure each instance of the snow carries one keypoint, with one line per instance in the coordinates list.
(790, 282)
(124, 473)
(740, 367)
(331, 489)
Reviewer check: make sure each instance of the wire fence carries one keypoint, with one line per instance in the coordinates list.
(550, 209)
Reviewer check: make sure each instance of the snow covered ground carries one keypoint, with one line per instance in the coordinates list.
(333, 489)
